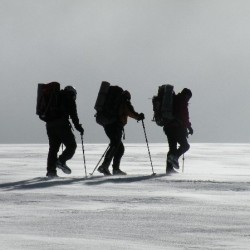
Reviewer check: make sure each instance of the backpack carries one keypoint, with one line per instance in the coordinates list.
(163, 105)
(108, 103)
(48, 101)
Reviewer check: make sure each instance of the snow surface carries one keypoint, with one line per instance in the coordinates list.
(206, 207)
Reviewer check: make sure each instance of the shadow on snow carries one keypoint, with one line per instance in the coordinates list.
(43, 182)
(127, 179)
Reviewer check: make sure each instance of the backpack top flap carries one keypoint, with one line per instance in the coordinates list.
(48, 107)
(109, 110)
(163, 104)
(113, 101)
(167, 102)
(102, 95)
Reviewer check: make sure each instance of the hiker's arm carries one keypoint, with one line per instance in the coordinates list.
(133, 114)
(75, 119)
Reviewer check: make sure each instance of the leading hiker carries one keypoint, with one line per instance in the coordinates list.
(59, 131)
(114, 131)
(177, 130)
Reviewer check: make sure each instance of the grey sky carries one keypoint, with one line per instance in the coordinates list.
(137, 44)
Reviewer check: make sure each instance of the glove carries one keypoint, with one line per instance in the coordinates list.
(190, 131)
(141, 117)
(79, 128)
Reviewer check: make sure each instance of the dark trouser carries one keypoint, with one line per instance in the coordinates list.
(177, 135)
(116, 149)
(59, 133)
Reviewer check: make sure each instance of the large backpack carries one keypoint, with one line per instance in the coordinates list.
(108, 103)
(163, 105)
(48, 101)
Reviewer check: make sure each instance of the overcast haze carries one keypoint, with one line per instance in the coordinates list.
(137, 44)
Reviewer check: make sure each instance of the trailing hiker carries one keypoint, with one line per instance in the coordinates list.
(55, 107)
(172, 113)
(113, 108)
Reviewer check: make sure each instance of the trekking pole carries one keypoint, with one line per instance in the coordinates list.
(148, 147)
(84, 161)
(183, 159)
(99, 161)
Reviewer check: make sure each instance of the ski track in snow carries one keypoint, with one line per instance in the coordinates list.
(206, 207)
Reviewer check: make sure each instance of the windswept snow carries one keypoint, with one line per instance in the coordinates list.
(206, 207)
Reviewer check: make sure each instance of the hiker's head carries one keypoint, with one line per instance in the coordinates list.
(71, 91)
(187, 93)
(126, 95)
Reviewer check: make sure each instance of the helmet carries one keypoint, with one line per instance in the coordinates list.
(187, 92)
(71, 90)
(126, 95)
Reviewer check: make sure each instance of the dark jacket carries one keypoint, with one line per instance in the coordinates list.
(68, 110)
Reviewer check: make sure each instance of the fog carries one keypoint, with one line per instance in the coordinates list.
(138, 45)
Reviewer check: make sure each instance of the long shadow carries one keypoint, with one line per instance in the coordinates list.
(122, 179)
(43, 182)
(40, 182)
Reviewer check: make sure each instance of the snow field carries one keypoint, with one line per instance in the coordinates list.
(206, 207)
